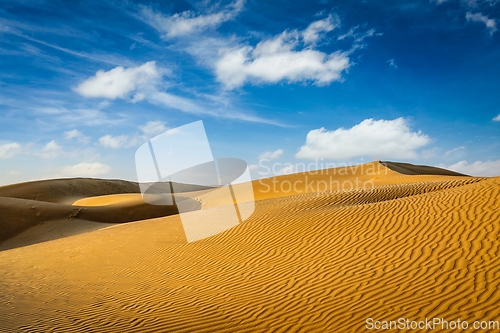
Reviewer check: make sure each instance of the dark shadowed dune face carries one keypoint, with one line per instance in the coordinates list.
(66, 191)
(410, 169)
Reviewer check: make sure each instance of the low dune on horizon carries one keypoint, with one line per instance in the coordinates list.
(322, 252)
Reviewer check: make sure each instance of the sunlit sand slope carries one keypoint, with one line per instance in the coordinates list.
(315, 262)
(349, 177)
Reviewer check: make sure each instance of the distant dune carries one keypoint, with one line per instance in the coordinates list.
(66, 207)
(322, 252)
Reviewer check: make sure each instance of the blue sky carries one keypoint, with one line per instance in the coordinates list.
(82, 85)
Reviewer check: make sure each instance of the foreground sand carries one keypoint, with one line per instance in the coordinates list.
(416, 246)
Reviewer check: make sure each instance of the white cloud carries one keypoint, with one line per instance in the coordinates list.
(51, 116)
(497, 118)
(454, 150)
(312, 33)
(10, 149)
(349, 34)
(379, 139)
(478, 168)
(392, 63)
(218, 109)
(358, 37)
(118, 82)
(51, 150)
(76, 134)
(491, 25)
(13, 173)
(276, 59)
(152, 128)
(121, 141)
(252, 167)
(181, 24)
(86, 170)
(268, 155)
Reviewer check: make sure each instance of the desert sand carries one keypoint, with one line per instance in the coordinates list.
(88, 255)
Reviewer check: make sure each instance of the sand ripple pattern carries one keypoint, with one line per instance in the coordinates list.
(317, 262)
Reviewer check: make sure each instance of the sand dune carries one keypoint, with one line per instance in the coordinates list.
(410, 246)
(66, 191)
(31, 204)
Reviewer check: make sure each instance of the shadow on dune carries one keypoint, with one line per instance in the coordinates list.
(411, 169)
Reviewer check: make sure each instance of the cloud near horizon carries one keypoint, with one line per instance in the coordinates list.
(86, 170)
(379, 139)
(478, 168)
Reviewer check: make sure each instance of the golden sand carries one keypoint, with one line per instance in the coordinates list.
(414, 246)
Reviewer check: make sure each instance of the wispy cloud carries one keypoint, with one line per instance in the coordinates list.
(271, 155)
(86, 170)
(76, 134)
(497, 118)
(50, 150)
(490, 24)
(109, 59)
(449, 152)
(9, 150)
(392, 63)
(152, 128)
(62, 116)
(120, 141)
(188, 22)
(314, 32)
(358, 36)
